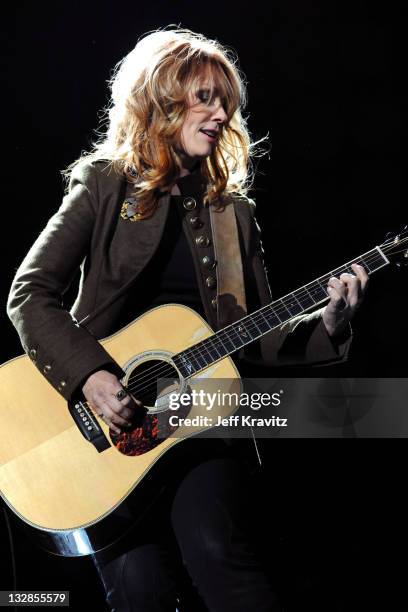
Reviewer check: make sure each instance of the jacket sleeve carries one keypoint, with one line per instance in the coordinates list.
(64, 352)
(304, 339)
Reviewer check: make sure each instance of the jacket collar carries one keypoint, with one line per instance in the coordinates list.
(192, 184)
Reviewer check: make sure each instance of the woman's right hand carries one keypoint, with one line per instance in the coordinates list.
(100, 392)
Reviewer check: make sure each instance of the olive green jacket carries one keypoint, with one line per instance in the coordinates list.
(111, 251)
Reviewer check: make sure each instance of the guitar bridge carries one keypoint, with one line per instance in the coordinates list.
(88, 426)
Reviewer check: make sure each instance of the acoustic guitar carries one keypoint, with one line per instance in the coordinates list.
(77, 486)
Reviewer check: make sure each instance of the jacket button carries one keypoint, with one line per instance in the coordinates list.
(195, 222)
(208, 261)
(62, 385)
(202, 241)
(214, 303)
(46, 369)
(33, 353)
(189, 203)
(210, 282)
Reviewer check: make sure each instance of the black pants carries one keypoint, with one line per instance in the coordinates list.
(201, 530)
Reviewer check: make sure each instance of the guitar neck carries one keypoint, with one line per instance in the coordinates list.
(255, 325)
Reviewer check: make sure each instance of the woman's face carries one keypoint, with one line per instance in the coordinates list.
(200, 132)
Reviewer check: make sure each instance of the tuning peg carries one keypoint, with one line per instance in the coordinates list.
(396, 235)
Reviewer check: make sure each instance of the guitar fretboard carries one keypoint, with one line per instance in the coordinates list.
(255, 325)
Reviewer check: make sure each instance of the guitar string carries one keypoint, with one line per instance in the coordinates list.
(250, 325)
(217, 341)
(385, 248)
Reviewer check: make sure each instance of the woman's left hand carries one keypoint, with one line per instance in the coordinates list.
(346, 294)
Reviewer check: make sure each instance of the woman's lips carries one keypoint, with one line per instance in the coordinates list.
(209, 136)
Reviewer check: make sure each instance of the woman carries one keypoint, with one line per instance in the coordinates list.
(137, 220)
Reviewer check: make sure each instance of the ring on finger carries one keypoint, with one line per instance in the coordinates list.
(121, 394)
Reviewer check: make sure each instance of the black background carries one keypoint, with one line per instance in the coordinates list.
(326, 81)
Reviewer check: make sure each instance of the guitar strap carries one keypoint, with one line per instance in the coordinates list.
(230, 275)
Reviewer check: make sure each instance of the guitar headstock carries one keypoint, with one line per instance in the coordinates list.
(395, 247)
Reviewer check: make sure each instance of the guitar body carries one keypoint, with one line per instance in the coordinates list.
(75, 499)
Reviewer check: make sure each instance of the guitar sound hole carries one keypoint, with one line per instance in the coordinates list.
(145, 382)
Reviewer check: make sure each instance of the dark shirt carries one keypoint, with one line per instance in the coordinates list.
(169, 277)
(172, 270)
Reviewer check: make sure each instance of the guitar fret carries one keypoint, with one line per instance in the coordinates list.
(184, 364)
(318, 293)
(305, 299)
(321, 286)
(367, 267)
(196, 358)
(294, 295)
(244, 331)
(284, 314)
(253, 323)
(263, 324)
(228, 343)
(222, 346)
(193, 358)
(293, 306)
(205, 352)
(378, 262)
(213, 349)
(272, 317)
(200, 359)
(237, 340)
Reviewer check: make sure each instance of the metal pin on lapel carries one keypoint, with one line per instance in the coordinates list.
(128, 211)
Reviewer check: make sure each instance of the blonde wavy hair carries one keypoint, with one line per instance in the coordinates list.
(148, 106)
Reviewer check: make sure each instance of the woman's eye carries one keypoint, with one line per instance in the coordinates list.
(203, 95)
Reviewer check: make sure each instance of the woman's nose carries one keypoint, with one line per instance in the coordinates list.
(219, 112)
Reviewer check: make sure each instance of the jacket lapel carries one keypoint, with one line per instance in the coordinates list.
(133, 245)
